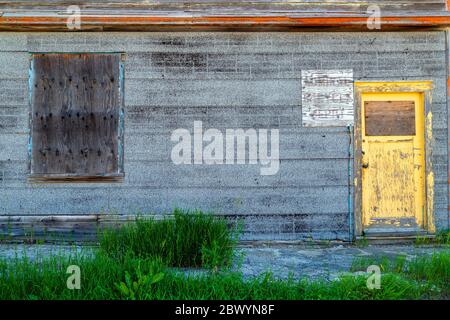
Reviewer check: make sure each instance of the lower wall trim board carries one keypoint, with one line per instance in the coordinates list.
(64, 219)
(57, 228)
(393, 240)
(84, 228)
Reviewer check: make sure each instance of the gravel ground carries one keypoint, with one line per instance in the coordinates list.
(311, 261)
(318, 261)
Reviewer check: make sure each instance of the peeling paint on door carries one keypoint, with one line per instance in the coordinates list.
(393, 160)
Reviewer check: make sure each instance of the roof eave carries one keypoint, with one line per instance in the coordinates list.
(219, 22)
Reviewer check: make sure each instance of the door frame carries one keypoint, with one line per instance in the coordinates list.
(423, 87)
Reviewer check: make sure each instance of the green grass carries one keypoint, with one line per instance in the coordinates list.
(141, 261)
(433, 271)
(442, 238)
(188, 239)
(102, 277)
(362, 243)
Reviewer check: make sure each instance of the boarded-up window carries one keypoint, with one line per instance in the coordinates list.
(75, 116)
(390, 118)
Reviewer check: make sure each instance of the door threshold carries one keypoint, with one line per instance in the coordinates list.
(412, 231)
(394, 238)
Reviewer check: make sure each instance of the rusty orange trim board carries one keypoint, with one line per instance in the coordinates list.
(448, 86)
(124, 21)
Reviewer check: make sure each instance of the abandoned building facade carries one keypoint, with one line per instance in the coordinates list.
(353, 116)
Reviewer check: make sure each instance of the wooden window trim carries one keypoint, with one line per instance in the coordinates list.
(76, 178)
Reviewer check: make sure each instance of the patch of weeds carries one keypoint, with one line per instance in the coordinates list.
(362, 242)
(134, 262)
(431, 271)
(441, 238)
(386, 265)
(139, 286)
(189, 239)
(212, 256)
(421, 240)
(239, 259)
(106, 278)
(45, 277)
(309, 241)
(324, 243)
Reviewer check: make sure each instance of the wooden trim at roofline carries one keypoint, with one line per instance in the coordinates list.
(219, 23)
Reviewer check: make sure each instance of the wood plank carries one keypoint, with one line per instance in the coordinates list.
(68, 229)
(327, 98)
(75, 114)
(256, 22)
(220, 7)
(390, 118)
(213, 93)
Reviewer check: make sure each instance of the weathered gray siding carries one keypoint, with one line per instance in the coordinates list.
(227, 80)
(448, 129)
(211, 7)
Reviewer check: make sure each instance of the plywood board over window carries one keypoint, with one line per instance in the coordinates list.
(390, 118)
(76, 121)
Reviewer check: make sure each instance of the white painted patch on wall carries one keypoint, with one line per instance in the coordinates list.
(327, 98)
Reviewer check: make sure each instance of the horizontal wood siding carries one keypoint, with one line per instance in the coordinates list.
(226, 80)
(446, 219)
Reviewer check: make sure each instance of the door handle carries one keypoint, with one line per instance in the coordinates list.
(365, 165)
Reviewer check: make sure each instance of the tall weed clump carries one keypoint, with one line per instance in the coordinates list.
(188, 239)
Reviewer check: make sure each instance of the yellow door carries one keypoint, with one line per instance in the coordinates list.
(393, 173)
